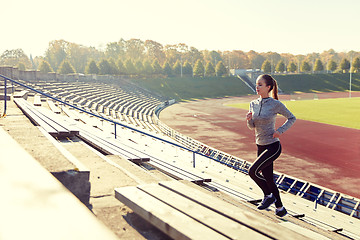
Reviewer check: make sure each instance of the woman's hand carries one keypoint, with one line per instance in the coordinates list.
(249, 116)
(276, 134)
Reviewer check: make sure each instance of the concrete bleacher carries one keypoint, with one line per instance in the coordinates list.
(21, 94)
(184, 212)
(34, 205)
(50, 123)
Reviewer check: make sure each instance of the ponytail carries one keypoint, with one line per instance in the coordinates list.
(274, 91)
(270, 81)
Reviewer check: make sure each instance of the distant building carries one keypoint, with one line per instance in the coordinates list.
(250, 73)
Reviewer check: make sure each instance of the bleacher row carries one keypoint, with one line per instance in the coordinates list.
(134, 108)
(137, 109)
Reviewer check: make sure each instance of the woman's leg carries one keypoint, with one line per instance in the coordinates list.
(268, 174)
(255, 169)
(264, 164)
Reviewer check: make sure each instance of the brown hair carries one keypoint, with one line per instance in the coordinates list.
(270, 81)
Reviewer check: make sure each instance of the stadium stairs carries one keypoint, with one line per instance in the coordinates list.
(149, 143)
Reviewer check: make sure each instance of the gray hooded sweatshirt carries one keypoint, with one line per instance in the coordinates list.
(264, 111)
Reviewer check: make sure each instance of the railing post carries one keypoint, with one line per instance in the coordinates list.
(5, 93)
(194, 159)
(115, 129)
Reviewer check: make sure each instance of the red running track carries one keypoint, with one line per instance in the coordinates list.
(323, 154)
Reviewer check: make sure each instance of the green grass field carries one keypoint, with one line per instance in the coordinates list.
(343, 112)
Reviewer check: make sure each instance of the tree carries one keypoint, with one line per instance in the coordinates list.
(326, 56)
(92, 68)
(198, 69)
(167, 69)
(154, 50)
(176, 52)
(239, 60)
(280, 67)
(266, 66)
(139, 67)
(148, 69)
(120, 66)
(66, 68)
(187, 68)
(171, 53)
(220, 69)
(78, 56)
(212, 56)
(135, 49)
(209, 69)
(292, 67)
(56, 53)
(177, 68)
(14, 57)
(305, 66)
(318, 67)
(115, 50)
(255, 59)
(130, 68)
(356, 65)
(331, 66)
(156, 67)
(104, 67)
(45, 67)
(273, 57)
(311, 58)
(193, 55)
(344, 65)
(114, 69)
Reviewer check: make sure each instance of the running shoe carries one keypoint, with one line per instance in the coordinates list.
(266, 202)
(281, 213)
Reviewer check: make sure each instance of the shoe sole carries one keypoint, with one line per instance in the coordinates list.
(281, 215)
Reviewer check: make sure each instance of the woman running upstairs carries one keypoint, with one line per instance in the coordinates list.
(261, 117)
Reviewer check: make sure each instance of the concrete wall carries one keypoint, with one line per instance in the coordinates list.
(33, 75)
(7, 71)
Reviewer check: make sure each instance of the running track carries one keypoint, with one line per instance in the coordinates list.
(323, 154)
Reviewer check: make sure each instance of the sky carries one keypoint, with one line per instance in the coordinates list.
(283, 26)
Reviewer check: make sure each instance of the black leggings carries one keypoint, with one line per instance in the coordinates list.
(267, 154)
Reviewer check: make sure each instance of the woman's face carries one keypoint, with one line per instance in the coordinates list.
(261, 88)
